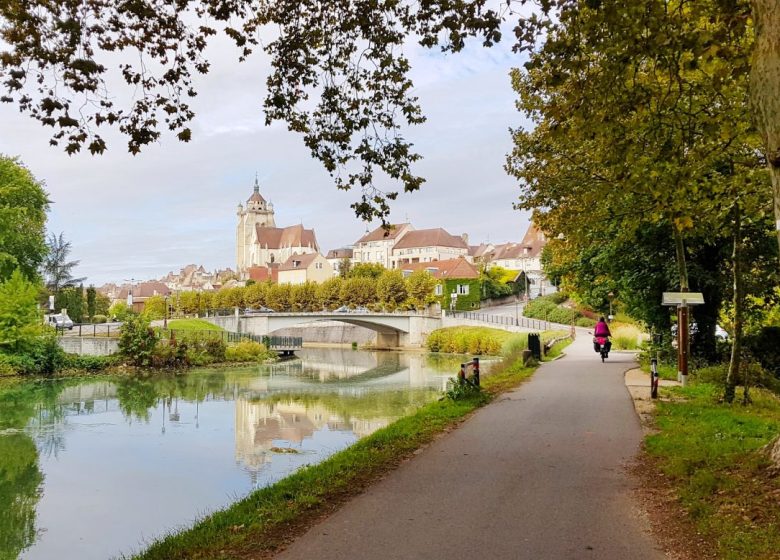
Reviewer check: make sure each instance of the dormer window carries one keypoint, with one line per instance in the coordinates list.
(296, 264)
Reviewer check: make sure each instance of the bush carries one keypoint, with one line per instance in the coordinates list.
(137, 341)
(43, 356)
(89, 363)
(585, 322)
(558, 297)
(170, 354)
(6, 365)
(247, 351)
(100, 319)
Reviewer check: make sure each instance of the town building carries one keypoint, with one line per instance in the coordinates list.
(309, 267)
(336, 258)
(141, 292)
(377, 246)
(428, 245)
(260, 243)
(459, 286)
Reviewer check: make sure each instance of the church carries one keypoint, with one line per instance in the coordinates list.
(259, 243)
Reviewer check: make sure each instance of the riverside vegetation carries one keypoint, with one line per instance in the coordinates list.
(269, 517)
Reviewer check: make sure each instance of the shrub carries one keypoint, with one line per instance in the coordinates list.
(586, 322)
(137, 341)
(89, 363)
(216, 348)
(100, 319)
(6, 365)
(558, 297)
(460, 340)
(247, 351)
(170, 354)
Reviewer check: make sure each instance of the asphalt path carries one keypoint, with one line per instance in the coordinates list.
(538, 474)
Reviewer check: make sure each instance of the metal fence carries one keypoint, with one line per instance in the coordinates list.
(521, 322)
(270, 342)
(110, 330)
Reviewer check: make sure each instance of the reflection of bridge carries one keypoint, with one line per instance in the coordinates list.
(393, 330)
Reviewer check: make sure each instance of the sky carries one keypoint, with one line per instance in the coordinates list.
(139, 217)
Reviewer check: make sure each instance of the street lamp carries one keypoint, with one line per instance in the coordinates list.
(165, 317)
(610, 296)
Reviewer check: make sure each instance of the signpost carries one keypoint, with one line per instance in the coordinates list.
(682, 300)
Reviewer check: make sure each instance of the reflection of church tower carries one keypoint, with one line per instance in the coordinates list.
(257, 212)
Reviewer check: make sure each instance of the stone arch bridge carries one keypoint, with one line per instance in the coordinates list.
(393, 330)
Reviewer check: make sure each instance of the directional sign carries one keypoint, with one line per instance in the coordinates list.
(683, 298)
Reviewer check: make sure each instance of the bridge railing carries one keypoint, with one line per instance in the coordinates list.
(270, 342)
(520, 322)
(325, 313)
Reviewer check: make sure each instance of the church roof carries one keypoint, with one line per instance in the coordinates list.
(256, 196)
(291, 236)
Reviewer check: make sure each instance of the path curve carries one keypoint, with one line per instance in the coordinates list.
(538, 474)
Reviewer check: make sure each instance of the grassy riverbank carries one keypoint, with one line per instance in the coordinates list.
(711, 457)
(270, 517)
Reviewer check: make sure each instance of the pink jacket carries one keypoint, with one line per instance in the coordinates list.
(602, 329)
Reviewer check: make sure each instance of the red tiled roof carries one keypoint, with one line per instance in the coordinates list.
(292, 236)
(451, 268)
(381, 234)
(303, 261)
(145, 290)
(430, 238)
(480, 250)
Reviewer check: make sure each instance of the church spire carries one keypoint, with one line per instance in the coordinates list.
(257, 184)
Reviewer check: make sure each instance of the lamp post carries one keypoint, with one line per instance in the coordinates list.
(610, 296)
(165, 317)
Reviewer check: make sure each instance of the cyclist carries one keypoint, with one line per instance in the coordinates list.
(601, 336)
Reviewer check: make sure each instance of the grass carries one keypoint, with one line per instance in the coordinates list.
(712, 454)
(268, 517)
(626, 337)
(483, 340)
(192, 325)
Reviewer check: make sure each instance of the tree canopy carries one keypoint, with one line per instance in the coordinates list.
(23, 206)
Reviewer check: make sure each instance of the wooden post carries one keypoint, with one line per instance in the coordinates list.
(683, 343)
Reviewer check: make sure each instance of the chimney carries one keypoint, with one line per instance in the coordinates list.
(465, 237)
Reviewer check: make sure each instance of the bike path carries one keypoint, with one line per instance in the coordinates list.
(537, 474)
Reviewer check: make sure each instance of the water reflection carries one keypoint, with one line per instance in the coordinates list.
(83, 462)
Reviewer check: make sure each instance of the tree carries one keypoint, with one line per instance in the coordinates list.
(345, 265)
(358, 291)
(764, 85)
(91, 302)
(420, 285)
(20, 321)
(102, 304)
(23, 206)
(339, 74)
(255, 295)
(71, 299)
(391, 289)
(154, 308)
(120, 311)
(57, 269)
(279, 297)
(330, 293)
(366, 270)
(305, 297)
(137, 340)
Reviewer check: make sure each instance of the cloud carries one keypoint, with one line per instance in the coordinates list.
(141, 216)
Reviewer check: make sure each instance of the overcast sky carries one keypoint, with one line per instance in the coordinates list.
(141, 216)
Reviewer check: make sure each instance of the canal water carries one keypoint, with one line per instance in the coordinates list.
(96, 468)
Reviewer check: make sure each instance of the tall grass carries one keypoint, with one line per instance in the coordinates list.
(626, 337)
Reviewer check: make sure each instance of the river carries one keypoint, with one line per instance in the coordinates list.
(94, 468)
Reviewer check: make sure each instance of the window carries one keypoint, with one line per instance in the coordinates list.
(439, 290)
(318, 265)
(463, 289)
(378, 256)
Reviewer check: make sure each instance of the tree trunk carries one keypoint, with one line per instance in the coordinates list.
(682, 267)
(765, 88)
(736, 346)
